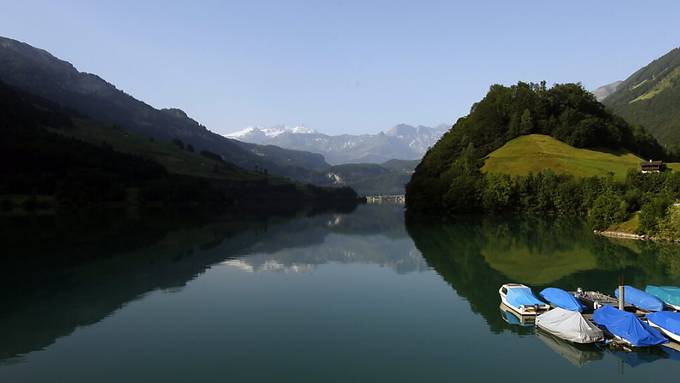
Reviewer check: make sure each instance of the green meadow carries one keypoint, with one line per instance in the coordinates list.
(536, 152)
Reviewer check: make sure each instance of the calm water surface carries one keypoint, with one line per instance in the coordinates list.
(348, 297)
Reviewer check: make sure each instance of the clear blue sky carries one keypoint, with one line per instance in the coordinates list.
(341, 66)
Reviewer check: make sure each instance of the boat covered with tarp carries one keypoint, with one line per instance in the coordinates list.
(666, 321)
(593, 300)
(627, 327)
(670, 295)
(569, 325)
(521, 299)
(640, 299)
(561, 298)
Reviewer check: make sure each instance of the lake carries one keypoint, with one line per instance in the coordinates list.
(357, 296)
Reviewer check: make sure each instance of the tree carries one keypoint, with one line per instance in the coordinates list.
(498, 192)
(669, 227)
(652, 212)
(607, 210)
(526, 122)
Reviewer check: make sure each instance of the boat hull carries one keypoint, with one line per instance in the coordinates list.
(525, 310)
(671, 335)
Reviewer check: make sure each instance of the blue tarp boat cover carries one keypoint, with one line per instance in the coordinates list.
(668, 294)
(627, 326)
(560, 298)
(518, 296)
(640, 299)
(668, 320)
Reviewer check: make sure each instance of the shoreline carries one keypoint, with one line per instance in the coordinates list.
(637, 237)
(622, 235)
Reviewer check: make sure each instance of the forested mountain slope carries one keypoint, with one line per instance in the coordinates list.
(38, 72)
(651, 97)
(43, 153)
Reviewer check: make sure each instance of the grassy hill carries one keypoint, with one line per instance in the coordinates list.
(535, 152)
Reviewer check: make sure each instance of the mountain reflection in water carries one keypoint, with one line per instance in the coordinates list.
(63, 274)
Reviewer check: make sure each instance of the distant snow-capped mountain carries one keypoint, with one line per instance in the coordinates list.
(269, 132)
(403, 141)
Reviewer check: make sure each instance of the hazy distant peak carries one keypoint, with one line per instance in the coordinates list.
(605, 90)
(401, 130)
(405, 130)
(402, 141)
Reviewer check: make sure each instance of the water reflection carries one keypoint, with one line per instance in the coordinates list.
(576, 354)
(61, 274)
(476, 255)
(372, 235)
(513, 319)
(643, 356)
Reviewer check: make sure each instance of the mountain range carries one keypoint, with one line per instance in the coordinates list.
(52, 158)
(651, 97)
(403, 142)
(38, 72)
(105, 115)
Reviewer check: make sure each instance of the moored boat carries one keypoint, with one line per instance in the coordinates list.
(521, 299)
(640, 299)
(593, 300)
(627, 327)
(513, 318)
(667, 322)
(670, 295)
(570, 326)
(562, 299)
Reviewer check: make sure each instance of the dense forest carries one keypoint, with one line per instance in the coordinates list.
(41, 165)
(448, 181)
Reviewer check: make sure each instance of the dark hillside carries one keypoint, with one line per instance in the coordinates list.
(39, 161)
(38, 72)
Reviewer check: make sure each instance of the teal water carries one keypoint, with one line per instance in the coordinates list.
(334, 297)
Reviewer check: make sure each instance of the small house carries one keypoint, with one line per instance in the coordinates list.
(651, 166)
